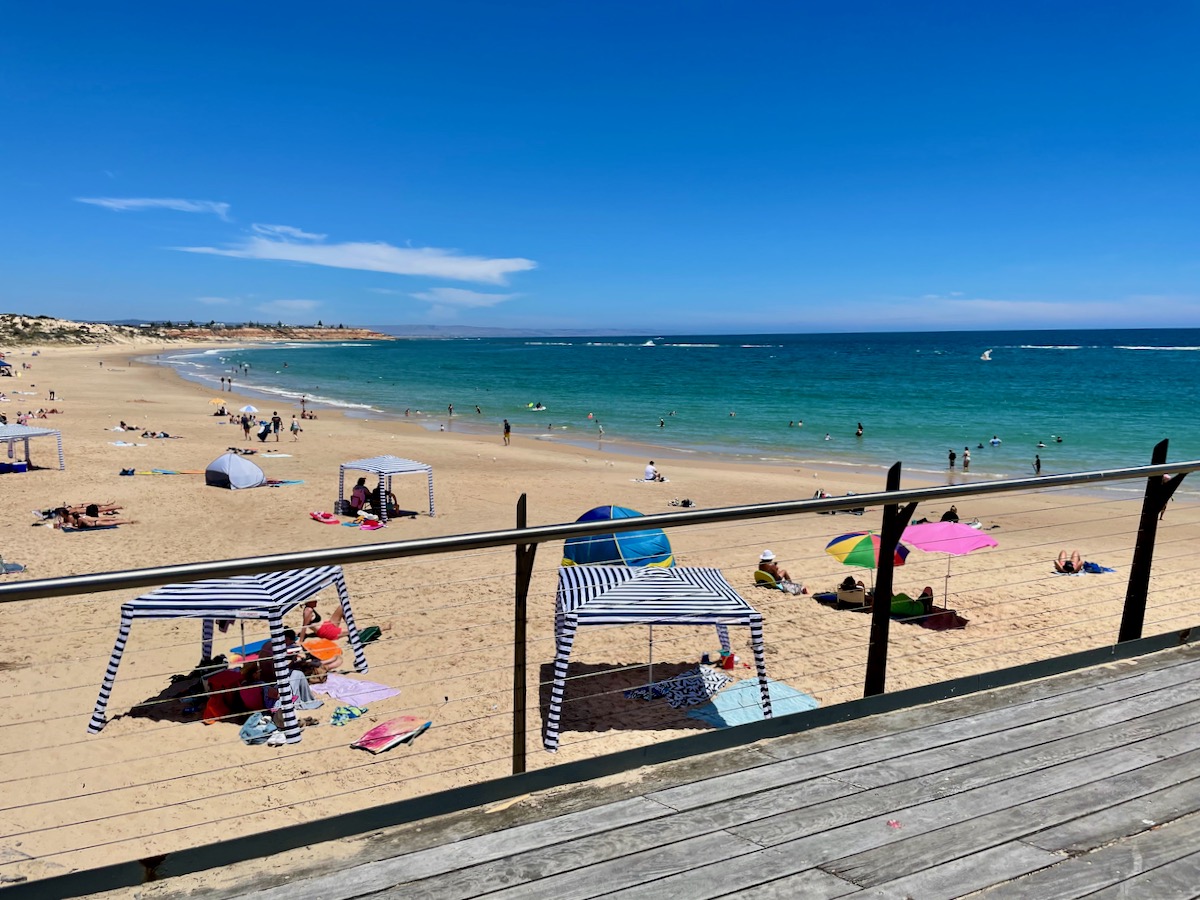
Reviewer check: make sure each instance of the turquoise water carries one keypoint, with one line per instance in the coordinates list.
(1110, 395)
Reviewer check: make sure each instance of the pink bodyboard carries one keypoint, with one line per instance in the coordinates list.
(388, 734)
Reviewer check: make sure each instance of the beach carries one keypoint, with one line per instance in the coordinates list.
(145, 786)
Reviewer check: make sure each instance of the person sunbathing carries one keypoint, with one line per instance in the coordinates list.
(68, 519)
(1068, 565)
(331, 630)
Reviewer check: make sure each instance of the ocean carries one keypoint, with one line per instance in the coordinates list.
(1096, 399)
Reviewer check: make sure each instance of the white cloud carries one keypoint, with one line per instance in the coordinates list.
(431, 262)
(213, 301)
(126, 204)
(286, 231)
(447, 296)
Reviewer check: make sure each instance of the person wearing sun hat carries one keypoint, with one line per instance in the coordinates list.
(766, 563)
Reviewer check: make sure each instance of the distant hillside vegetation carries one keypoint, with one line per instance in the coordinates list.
(17, 330)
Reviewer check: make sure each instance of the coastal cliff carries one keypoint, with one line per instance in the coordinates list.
(21, 330)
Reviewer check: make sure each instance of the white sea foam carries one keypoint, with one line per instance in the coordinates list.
(1051, 347)
(1155, 348)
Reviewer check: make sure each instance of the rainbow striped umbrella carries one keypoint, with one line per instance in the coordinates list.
(861, 548)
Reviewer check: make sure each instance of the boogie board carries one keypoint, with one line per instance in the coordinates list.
(390, 733)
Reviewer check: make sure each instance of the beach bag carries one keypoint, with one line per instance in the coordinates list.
(257, 729)
(370, 633)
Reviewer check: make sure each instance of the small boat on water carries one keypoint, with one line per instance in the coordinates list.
(987, 355)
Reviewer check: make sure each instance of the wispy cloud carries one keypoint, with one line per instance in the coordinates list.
(431, 262)
(213, 301)
(448, 296)
(132, 204)
(286, 231)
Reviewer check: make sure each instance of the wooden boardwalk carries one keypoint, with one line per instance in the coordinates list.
(1087, 784)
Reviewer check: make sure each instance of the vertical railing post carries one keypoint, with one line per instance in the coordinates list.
(1158, 491)
(895, 520)
(524, 573)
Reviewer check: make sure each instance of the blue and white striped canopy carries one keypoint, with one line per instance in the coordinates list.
(385, 467)
(239, 597)
(618, 595)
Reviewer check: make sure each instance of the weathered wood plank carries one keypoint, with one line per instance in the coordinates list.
(584, 882)
(970, 873)
(897, 746)
(802, 822)
(811, 885)
(1122, 820)
(1118, 676)
(1178, 880)
(1006, 825)
(377, 876)
(1081, 876)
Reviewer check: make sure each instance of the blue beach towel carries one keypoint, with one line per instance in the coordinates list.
(741, 703)
(1096, 569)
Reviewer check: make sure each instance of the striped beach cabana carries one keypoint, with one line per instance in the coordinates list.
(267, 597)
(11, 434)
(617, 595)
(385, 467)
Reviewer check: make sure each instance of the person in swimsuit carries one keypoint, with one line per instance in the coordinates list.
(1068, 565)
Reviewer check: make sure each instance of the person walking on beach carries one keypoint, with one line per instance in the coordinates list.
(295, 429)
(953, 457)
(1037, 464)
(246, 425)
(507, 433)
(276, 425)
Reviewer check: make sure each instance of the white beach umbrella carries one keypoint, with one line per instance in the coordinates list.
(248, 409)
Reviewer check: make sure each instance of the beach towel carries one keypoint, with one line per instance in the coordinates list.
(71, 529)
(689, 688)
(344, 714)
(403, 730)
(125, 444)
(275, 455)
(257, 729)
(741, 703)
(275, 482)
(353, 692)
(1096, 569)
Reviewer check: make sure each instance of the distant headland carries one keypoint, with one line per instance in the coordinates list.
(19, 330)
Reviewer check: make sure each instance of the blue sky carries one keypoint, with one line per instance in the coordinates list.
(665, 167)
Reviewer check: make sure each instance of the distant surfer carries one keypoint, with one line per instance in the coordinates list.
(662, 423)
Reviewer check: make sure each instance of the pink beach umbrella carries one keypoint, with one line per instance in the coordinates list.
(953, 538)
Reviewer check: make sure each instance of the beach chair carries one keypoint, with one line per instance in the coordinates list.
(855, 599)
(766, 579)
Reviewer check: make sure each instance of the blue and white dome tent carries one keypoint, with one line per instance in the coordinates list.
(635, 549)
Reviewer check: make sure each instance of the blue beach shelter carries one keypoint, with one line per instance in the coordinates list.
(649, 547)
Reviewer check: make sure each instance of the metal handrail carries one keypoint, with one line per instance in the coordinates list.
(538, 534)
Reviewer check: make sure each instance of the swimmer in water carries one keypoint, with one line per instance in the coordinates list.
(827, 437)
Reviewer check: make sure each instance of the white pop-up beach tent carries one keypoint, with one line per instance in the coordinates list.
(229, 470)
(385, 467)
(11, 434)
(617, 595)
(263, 597)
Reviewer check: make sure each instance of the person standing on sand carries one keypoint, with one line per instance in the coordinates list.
(507, 433)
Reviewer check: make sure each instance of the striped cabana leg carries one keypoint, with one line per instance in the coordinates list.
(360, 656)
(760, 663)
(431, 493)
(110, 674)
(564, 636)
(723, 637)
(206, 641)
(283, 680)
